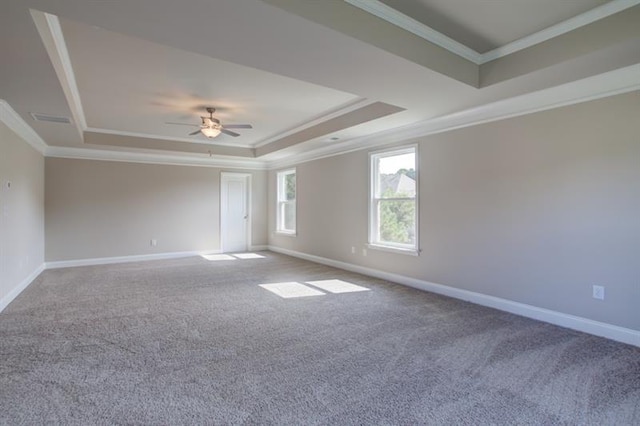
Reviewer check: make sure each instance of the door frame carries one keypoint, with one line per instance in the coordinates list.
(224, 178)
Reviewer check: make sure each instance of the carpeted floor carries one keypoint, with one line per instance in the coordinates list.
(194, 341)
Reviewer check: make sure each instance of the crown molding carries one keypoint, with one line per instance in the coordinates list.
(382, 11)
(564, 27)
(20, 127)
(336, 112)
(167, 138)
(50, 31)
(146, 158)
(609, 84)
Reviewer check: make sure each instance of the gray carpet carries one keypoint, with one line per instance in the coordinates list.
(192, 341)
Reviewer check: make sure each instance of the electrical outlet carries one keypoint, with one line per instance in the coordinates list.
(154, 242)
(364, 252)
(598, 292)
(353, 250)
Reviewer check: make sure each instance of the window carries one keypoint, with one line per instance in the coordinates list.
(393, 201)
(286, 214)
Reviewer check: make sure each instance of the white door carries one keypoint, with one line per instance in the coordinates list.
(234, 212)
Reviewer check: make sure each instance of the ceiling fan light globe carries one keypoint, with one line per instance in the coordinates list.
(210, 132)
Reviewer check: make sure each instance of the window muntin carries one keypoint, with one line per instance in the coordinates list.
(393, 201)
(286, 208)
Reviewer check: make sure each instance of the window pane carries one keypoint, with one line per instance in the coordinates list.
(397, 176)
(286, 212)
(290, 186)
(397, 221)
(290, 216)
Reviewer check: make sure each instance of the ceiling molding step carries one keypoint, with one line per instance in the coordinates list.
(382, 11)
(609, 84)
(341, 110)
(20, 127)
(53, 39)
(168, 138)
(145, 158)
(564, 27)
(358, 116)
(615, 82)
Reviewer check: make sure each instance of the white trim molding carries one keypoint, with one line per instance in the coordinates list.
(382, 11)
(612, 83)
(13, 121)
(50, 31)
(9, 297)
(125, 259)
(145, 158)
(564, 27)
(609, 331)
(196, 140)
(336, 112)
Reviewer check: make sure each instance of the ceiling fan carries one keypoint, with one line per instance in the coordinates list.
(211, 127)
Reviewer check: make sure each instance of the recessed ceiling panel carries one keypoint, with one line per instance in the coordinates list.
(133, 86)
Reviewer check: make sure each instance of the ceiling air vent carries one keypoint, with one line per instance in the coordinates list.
(50, 118)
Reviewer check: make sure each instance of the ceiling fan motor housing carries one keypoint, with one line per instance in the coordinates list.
(210, 122)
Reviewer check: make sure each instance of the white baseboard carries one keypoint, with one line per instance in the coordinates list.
(613, 332)
(4, 302)
(258, 248)
(123, 259)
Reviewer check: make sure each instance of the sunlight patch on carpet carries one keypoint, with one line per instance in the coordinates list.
(291, 289)
(248, 256)
(218, 257)
(337, 286)
(232, 256)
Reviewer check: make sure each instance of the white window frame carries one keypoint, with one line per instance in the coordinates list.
(281, 201)
(374, 230)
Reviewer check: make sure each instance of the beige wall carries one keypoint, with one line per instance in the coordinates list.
(534, 209)
(98, 209)
(21, 213)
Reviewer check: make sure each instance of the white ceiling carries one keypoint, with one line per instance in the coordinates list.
(135, 86)
(302, 73)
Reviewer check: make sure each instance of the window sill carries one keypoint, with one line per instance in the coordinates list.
(391, 249)
(286, 233)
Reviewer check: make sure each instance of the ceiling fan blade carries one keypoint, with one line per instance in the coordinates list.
(229, 132)
(181, 124)
(194, 133)
(238, 126)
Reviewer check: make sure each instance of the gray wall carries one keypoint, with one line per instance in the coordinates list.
(534, 209)
(100, 209)
(21, 211)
